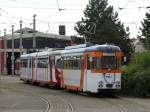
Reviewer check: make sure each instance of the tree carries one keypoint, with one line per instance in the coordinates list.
(146, 30)
(108, 27)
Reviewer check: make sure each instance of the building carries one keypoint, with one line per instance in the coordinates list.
(139, 45)
(43, 40)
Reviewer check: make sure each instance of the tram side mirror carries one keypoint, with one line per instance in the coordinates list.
(90, 59)
(124, 59)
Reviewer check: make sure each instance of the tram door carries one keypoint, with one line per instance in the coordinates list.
(33, 68)
(52, 69)
(30, 69)
(87, 72)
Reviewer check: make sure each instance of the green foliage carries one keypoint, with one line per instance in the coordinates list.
(108, 27)
(146, 30)
(136, 79)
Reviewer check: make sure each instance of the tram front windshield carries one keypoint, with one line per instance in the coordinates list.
(109, 62)
(105, 62)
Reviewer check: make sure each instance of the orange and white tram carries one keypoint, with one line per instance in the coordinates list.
(82, 67)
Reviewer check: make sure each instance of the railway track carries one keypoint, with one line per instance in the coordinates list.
(54, 103)
(60, 105)
(125, 105)
(47, 102)
(120, 107)
(65, 101)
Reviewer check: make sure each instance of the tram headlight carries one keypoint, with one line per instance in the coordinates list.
(118, 84)
(100, 84)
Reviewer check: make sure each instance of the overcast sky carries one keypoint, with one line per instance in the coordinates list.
(131, 13)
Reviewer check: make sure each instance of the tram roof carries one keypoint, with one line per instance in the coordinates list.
(104, 48)
(29, 55)
(25, 56)
(40, 54)
(46, 53)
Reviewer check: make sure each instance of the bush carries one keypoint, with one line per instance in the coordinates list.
(136, 78)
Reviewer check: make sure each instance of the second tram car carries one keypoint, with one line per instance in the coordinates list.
(83, 68)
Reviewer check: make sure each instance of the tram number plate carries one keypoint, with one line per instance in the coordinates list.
(109, 85)
(108, 76)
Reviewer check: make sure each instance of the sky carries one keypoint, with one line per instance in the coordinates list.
(52, 13)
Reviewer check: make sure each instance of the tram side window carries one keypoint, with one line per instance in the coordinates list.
(59, 63)
(30, 63)
(65, 63)
(72, 62)
(77, 62)
(53, 63)
(96, 63)
(42, 63)
(88, 62)
(24, 63)
(118, 63)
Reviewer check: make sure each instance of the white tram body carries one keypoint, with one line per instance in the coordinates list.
(92, 69)
(81, 68)
(40, 67)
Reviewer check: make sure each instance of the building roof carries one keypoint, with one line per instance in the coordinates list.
(28, 33)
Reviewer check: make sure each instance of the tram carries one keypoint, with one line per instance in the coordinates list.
(40, 68)
(85, 68)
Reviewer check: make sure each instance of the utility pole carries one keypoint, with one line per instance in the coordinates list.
(5, 52)
(21, 46)
(146, 40)
(34, 28)
(12, 58)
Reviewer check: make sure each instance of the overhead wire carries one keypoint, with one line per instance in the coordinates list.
(45, 21)
(125, 5)
(135, 6)
(48, 4)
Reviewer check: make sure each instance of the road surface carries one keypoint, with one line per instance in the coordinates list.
(16, 96)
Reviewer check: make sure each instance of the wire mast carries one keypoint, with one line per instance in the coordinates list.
(12, 57)
(21, 46)
(34, 28)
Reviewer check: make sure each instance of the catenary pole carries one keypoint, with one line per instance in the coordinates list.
(5, 52)
(12, 58)
(34, 28)
(21, 45)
